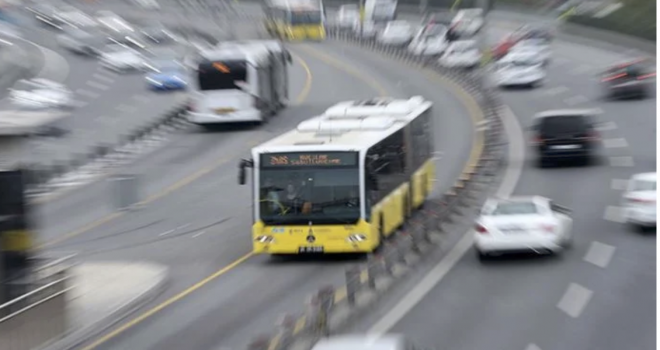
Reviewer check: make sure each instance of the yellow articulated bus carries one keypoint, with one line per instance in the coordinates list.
(343, 181)
(294, 21)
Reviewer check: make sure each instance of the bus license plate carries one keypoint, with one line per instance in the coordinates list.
(310, 250)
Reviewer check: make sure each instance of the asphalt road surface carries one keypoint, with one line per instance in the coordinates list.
(598, 295)
(204, 226)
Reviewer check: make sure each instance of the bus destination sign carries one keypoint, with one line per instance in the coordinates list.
(310, 159)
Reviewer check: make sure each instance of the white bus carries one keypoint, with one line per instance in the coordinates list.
(343, 181)
(379, 11)
(240, 82)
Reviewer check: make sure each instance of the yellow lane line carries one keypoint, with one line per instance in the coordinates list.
(224, 270)
(301, 97)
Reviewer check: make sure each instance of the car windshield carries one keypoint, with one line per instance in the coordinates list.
(516, 64)
(559, 125)
(514, 208)
(644, 185)
(318, 192)
(462, 47)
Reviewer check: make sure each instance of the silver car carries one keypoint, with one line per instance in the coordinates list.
(366, 342)
(121, 58)
(40, 94)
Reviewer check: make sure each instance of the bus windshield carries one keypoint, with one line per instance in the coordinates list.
(306, 17)
(221, 75)
(321, 192)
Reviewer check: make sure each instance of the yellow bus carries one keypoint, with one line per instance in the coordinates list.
(343, 181)
(295, 21)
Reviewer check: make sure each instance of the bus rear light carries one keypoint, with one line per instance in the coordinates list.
(265, 239)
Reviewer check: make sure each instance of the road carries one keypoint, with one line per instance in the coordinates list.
(598, 295)
(204, 226)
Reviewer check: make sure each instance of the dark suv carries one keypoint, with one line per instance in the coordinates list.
(632, 79)
(565, 135)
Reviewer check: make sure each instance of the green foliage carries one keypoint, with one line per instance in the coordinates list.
(636, 18)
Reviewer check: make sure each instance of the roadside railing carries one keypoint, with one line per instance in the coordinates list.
(38, 316)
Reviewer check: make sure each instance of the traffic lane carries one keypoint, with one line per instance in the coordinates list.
(226, 321)
(186, 154)
(453, 126)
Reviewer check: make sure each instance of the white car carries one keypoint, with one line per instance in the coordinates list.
(468, 22)
(40, 94)
(76, 18)
(121, 58)
(114, 22)
(522, 224)
(539, 48)
(396, 33)
(429, 46)
(639, 200)
(347, 16)
(461, 54)
(514, 70)
(367, 30)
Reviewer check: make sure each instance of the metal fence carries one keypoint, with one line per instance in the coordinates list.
(36, 318)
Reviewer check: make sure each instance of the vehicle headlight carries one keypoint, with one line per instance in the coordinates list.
(265, 239)
(356, 237)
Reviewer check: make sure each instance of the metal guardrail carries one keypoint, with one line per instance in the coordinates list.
(423, 233)
(40, 316)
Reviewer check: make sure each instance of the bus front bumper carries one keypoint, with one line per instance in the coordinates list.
(334, 247)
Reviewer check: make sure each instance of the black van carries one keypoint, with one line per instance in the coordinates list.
(565, 135)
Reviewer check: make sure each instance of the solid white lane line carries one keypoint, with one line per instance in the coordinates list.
(96, 85)
(553, 91)
(90, 94)
(515, 162)
(615, 143)
(614, 214)
(103, 78)
(599, 254)
(625, 161)
(575, 300)
(607, 126)
(619, 184)
(575, 100)
(532, 347)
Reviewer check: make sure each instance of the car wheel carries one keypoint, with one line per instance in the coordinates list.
(481, 256)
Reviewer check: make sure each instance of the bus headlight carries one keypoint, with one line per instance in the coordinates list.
(356, 237)
(265, 239)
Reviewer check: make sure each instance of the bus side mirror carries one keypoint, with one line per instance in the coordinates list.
(289, 57)
(241, 170)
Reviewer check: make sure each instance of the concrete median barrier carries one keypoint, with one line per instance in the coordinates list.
(332, 308)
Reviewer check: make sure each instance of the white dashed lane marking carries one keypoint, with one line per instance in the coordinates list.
(141, 98)
(599, 254)
(532, 347)
(619, 184)
(103, 78)
(122, 108)
(614, 214)
(622, 161)
(615, 143)
(87, 93)
(606, 126)
(575, 300)
(575, 100)
(553, 91)
(96, 85)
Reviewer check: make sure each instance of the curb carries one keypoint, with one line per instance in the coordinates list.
(426, 232)
(80, 336)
